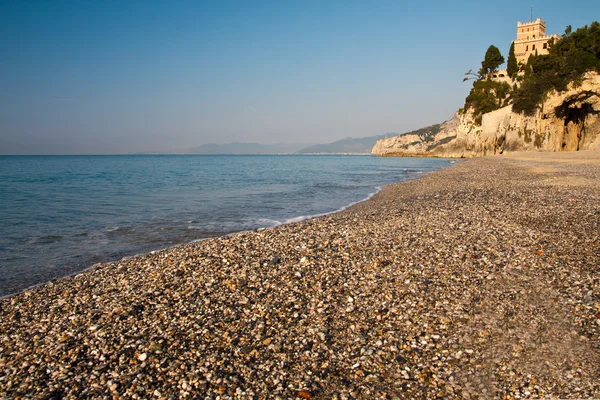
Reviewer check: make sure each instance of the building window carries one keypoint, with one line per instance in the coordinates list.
(545, 45)
(526, 48)
(533, 47)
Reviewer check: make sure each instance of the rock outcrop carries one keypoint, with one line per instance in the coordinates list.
(566, 121)
(418, 142)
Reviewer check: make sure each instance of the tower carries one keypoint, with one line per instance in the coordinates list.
(531, 39)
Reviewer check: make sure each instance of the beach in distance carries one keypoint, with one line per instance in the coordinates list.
(479, 280)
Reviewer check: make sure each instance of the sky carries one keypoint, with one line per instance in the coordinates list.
(151, 76)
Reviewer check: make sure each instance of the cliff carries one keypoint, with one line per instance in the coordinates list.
(566, 121)
(417, 142)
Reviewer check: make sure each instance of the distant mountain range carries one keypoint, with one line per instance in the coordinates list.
(247, 148)
(347, 145)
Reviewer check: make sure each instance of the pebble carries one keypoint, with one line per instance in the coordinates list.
(464, 283)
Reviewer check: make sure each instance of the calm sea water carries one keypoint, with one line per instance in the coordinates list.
(61, 214)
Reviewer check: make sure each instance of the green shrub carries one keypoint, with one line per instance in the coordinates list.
(487, 96)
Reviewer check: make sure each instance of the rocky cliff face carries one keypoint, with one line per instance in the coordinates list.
(421, 143)
(567, 121)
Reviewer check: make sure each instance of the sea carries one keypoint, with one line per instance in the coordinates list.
(61, 214)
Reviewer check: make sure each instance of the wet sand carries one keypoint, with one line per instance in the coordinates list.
(478, 281)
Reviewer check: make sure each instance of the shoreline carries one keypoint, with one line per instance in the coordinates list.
(125, 258)
(275, 223)
(475, 280)
(65, 262)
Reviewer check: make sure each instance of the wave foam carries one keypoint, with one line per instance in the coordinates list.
(305, 217)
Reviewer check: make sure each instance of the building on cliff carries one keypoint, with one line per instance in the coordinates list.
(531, 39)
(501, 75)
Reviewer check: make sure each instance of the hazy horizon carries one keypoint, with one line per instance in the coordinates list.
(110, 78)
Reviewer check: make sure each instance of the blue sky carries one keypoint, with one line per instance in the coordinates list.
(127, 76)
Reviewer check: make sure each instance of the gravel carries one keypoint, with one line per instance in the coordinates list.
(478, 281)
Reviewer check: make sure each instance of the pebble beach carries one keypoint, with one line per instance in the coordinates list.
(481, 280)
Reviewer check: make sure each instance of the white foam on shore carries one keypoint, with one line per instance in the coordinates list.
(305, 217)
(269, 222)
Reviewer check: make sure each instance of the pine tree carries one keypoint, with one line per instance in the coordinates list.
(511, 65)
(493, 59)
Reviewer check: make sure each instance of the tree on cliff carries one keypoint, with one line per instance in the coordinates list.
(493, 59)
(512, 68)
(487, 94)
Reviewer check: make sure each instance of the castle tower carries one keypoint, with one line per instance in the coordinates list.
(531, 39)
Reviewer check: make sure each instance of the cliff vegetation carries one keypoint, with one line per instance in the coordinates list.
(487, 94)
(568, 60)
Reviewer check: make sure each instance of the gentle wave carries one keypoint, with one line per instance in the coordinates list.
(305, 217)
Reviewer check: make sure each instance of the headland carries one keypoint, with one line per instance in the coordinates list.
(547, 99)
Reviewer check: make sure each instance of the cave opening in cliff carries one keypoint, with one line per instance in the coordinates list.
(577, 115)
(574, 124)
